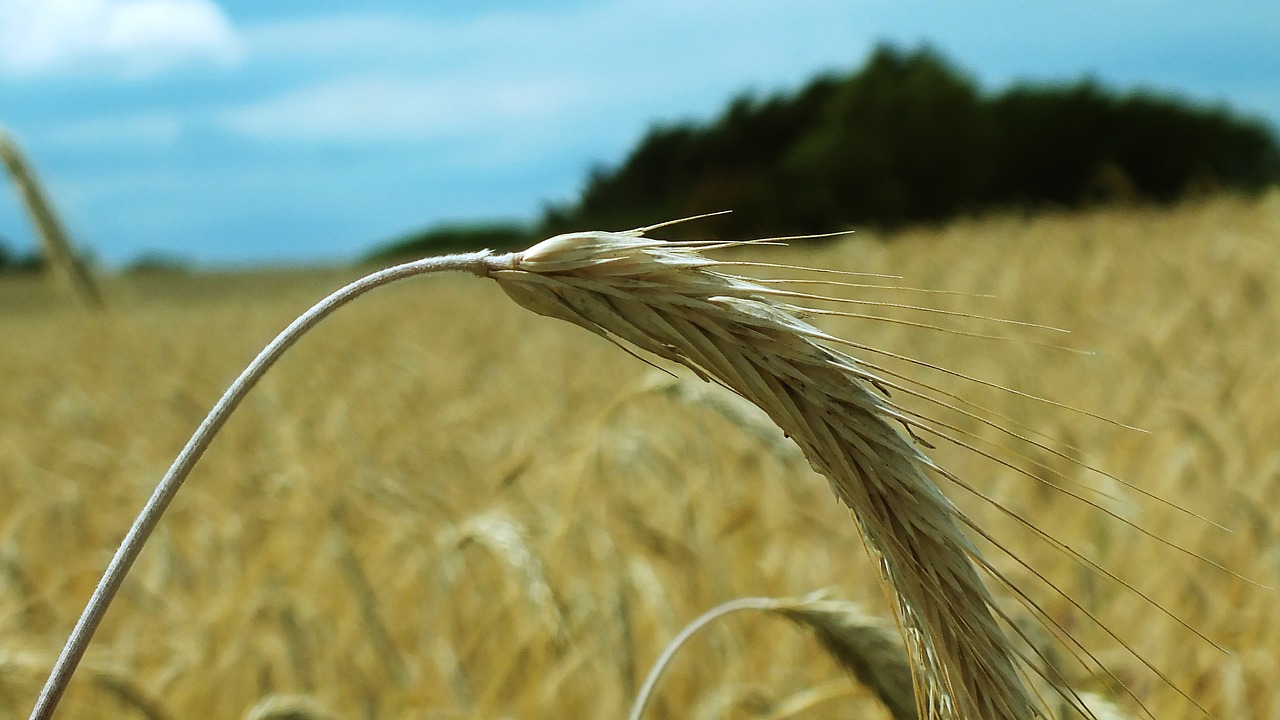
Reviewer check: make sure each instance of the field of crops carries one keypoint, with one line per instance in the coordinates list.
(439, 505)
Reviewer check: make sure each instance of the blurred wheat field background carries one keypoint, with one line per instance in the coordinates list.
(440, 506)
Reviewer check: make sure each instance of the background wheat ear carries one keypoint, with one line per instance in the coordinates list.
(507, 541)
(289, 707)
(58, 249)
(868, 647)
(732, 407)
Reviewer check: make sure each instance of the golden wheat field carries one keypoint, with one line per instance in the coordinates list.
(442, 506)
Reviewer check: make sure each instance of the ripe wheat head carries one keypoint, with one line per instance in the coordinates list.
(668, 299)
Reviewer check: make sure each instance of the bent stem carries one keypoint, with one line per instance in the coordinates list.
(660, 665)
(478, 263)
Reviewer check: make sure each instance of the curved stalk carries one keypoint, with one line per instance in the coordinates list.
(660, 665)
(478, 263)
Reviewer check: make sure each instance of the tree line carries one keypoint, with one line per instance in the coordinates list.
(910, 138)
(13, 261)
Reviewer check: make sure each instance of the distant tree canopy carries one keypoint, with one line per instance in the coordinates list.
(453, 238)
(15, 262)
(906, 138)
(909, 138)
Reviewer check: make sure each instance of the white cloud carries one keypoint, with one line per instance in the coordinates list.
(113, 37)
(520, 84)
(614, 45)
(389, 107)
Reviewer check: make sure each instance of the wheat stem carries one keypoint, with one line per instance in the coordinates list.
(478, 263)
(660, 665)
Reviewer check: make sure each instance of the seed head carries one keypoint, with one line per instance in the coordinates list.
(670, 300)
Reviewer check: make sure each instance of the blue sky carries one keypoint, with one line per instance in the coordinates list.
(243, 131)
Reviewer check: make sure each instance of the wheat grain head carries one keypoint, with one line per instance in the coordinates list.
(866, 646)
(669, 300)
(289, 707)
(506, 539)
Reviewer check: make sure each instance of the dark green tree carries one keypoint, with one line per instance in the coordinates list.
(908, 138)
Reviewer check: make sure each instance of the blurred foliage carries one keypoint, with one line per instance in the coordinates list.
(909, 138)
(12, 261)
(452, 238)
(158, 263)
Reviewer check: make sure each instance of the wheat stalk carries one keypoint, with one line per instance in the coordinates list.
(168, 487)
(57, 245)
(668, 299)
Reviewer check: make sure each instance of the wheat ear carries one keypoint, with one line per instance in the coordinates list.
(867, 647)
(667, 299)
(289, 707)
(507, 540)
(58, 249)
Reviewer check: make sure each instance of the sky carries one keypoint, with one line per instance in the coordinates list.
(243, 132)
